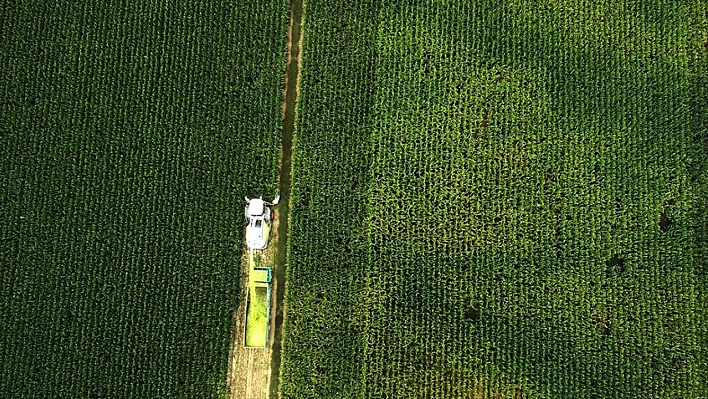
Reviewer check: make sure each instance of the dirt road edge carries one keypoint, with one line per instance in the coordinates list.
(290, 94)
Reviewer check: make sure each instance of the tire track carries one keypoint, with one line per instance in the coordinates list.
(291, 94)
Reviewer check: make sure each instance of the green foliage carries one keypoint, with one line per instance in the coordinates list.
(129, 133)
(327, 241)
(493, 198)
(257, 317)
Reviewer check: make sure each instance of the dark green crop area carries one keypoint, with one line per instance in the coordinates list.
(129, 134)
(500, 200)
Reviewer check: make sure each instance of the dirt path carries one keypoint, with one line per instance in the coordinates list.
(253, 373)
(249, 369)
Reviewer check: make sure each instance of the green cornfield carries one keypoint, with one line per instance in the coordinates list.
(500, 200)
(129, 133)
(489, 199)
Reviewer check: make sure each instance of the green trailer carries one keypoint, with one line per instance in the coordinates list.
(258, 308)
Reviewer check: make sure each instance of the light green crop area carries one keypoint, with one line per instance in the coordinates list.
(519, 210)
(257, 318)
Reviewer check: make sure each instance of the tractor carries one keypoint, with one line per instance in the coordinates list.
(259, 215)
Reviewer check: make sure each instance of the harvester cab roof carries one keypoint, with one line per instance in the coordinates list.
(255, 207)
(259, 215)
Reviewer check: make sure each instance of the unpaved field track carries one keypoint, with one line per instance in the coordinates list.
(253, 373)
(249, 369)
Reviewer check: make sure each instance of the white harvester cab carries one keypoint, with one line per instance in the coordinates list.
(259, 215)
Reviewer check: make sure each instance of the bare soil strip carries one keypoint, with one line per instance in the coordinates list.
(254, 373)
(292, 79)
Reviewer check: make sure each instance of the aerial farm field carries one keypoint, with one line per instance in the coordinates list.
(129, 134)
(489, 199)
(500, 200)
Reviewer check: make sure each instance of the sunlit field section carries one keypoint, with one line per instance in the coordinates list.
(500, 200)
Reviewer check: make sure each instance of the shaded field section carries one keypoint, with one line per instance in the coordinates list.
(127, 134)
(282, 245)
(499, 200)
